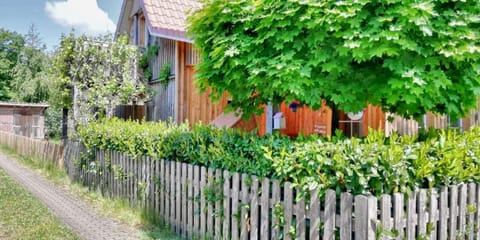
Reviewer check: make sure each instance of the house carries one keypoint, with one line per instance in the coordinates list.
(169, 59)
(158, 28)
(26, 119)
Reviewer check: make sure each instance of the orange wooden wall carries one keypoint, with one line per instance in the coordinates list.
(192, 105)
(304, 121)
(374, 118)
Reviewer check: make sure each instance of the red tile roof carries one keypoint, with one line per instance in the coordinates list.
(167, 18)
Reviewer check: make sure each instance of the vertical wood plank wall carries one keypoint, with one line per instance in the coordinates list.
(162, 106)
(193, 106)
(306, 120)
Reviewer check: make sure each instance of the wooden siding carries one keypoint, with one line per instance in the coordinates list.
(307, 121)
(200, 108)
(193, 106)
(27, 122)
(373, 118)
(162, 106)
(400, 125)
(163, 103)
(304, 121)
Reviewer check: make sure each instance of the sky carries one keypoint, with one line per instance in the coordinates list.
(54, 17)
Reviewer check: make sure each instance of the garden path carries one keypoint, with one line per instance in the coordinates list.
(74, 212)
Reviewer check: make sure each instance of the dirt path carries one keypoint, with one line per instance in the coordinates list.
(72, 211)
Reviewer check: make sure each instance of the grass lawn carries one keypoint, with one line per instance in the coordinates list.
(119, 210)
(22, 216)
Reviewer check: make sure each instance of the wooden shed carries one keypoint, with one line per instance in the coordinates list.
(26, 119)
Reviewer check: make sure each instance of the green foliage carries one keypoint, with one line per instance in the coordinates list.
(165, 74)
(151, 52)
(11, 44)
(409, 57)
(93, 75)
(31, 76)
(376, 164)
(53, 122)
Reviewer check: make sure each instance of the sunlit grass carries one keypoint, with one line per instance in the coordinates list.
(132, 218)
(22, 216)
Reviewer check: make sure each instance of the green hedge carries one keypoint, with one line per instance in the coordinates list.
(375, 164)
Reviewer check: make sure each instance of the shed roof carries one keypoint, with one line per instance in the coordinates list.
(167, 18)
(27, 105)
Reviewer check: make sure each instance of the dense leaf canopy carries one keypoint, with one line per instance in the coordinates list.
(11, 44)
(407, 56)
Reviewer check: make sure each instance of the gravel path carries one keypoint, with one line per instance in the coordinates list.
(75, 213)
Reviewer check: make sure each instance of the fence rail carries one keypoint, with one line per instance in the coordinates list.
(203, 202)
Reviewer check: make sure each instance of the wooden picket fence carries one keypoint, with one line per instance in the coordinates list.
(203, 202)
(30, 147)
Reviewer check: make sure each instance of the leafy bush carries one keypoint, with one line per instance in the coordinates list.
(376, 164)
(53, 122)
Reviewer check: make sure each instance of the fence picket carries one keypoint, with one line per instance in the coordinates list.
(470, 211)
(288, 207)
(313, 213)
(433, 213)
(167, 194)
(235, 207)
(197, 197)
(203, 183)
(254, 209)
(462, 212)
(361, 208)
(443, 214)
(244, 217)
(211, 189)
(345, 217)
(226, 205)
(184, 196)
(218, 203)
(330, 206)
(385, 218)
(178, 198)
(422, 211)
(398, 216)
(453, 214)
(372, 217)
(172, 195)
(264, 209)
(300, 218)
(276, 224)
(411, 216)
(162, 190)
(190, 200)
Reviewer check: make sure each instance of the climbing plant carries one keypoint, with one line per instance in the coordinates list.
(95, 74)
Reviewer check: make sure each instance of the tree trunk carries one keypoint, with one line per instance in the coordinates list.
(65, 124)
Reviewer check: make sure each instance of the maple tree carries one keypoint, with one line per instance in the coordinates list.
(409, 57)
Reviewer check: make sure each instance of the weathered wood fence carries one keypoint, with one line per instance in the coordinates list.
(30, 147)
(199, 201)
